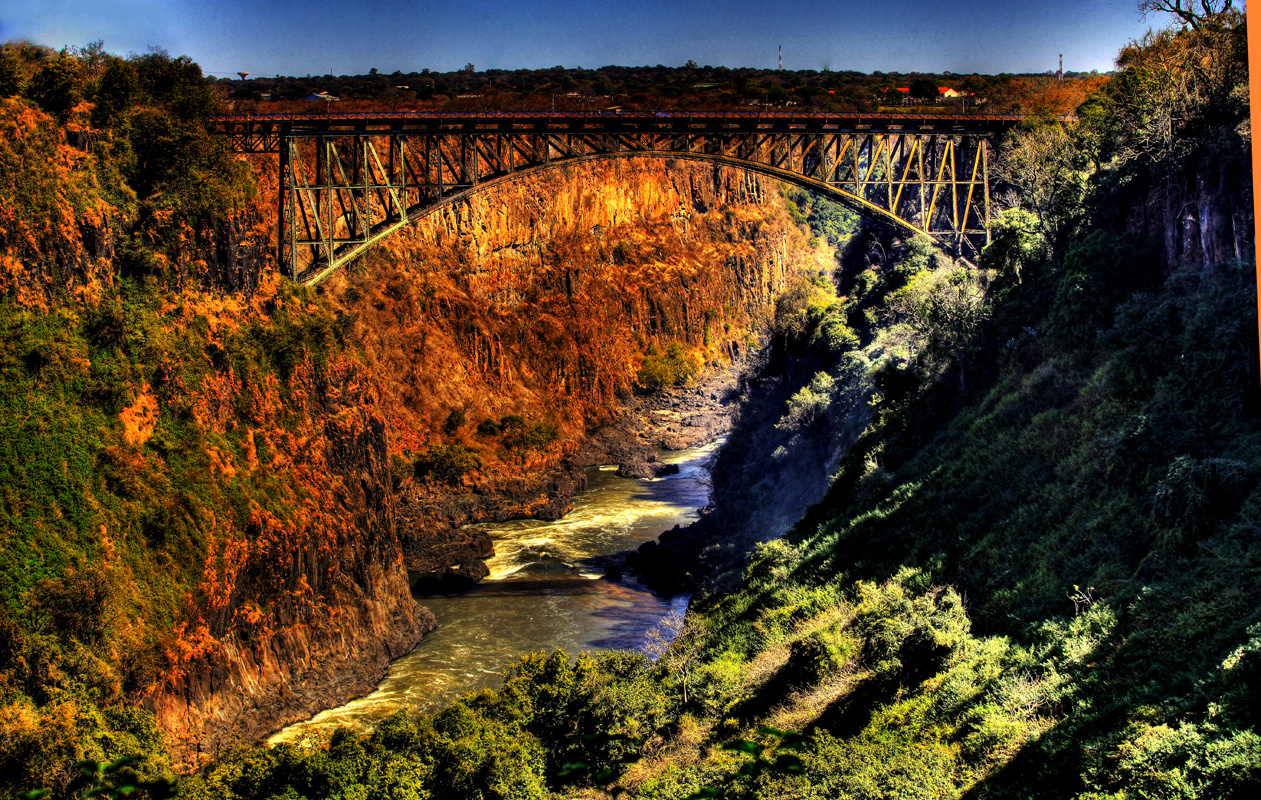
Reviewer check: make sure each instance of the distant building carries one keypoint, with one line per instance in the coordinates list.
(943, 92)
(325, 96)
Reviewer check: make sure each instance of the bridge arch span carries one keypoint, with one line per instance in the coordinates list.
(348, 182)
(318, 268)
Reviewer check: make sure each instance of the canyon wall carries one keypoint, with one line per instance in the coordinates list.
(536, 299)
(223, 461)
(540, 298)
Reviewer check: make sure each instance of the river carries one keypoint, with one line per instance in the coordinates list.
(545, 591)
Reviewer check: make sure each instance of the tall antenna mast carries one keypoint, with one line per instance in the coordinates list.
(1059, 76)
(781, 58)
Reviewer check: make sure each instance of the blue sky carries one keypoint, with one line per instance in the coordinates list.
(300, 37)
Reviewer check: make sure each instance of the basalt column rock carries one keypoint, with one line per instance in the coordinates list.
(303, 610)
(539, 299)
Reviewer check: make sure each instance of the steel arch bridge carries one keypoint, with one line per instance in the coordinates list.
(347, 181)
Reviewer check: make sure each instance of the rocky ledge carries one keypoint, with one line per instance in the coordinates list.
(676, 420)
(441, 554)
(674, 561)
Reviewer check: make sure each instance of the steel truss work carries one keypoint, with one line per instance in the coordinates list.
(348, 183)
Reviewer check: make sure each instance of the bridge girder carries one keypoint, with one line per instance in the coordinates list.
(343, 189)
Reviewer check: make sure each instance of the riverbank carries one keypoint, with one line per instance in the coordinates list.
(442, 554)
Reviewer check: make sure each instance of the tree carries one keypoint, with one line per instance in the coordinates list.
(1041, 165)
(115, 92)
(1192, 12)
(176, 83)
(923, 89)
(56, 86)
(11, 77)
(675, 642)
(945, 306)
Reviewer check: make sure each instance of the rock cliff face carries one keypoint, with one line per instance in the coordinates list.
(305, 606)
(1200, 213)
(541, 298)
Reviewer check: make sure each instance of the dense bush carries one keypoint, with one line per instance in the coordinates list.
(518, 434)
(447, 463)
(675, 367)
(455, 420)
(556, 723)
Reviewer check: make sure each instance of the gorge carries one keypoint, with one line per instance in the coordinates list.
(977, 530)
(252, 450)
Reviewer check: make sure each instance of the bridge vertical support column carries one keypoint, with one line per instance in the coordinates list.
(434, 144)
(282, 184)
(291, 215)
(923, 209)
(985, 178)
(888, 170)
(954, 197)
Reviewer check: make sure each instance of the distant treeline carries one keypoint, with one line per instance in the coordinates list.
(689, 86)
(76, 73)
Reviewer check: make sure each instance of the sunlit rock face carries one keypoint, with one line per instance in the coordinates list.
(538, 299)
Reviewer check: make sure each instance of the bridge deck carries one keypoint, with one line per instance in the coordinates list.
(249, 126)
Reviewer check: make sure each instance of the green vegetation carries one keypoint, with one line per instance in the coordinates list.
(520, 434)
(514, 743)
(132, 425)
(448, 463)
(455, 420)
(827, 221)
(657, 87)
(144, 158)
(675, 367)
(488, 427)
(100, 529)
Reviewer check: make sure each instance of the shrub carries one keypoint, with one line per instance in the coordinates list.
(809, 405)
(821, 654)
(80, 602)
(677, 367)
(488, 427)
(1099, 271)
(400, 468)
(448, 463)
(455, 420)
(520, 435)
(511, 422)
